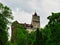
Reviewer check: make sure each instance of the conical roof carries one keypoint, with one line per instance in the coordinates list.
(35, 14)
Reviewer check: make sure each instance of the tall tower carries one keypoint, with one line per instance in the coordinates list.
(35, 21)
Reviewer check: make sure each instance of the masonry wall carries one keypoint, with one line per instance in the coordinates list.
(36, 21)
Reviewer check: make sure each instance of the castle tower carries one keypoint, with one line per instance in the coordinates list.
(35, 21)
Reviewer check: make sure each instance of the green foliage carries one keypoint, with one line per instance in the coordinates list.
(5, 14)
(52, 30)
(39, 37)
(20, 34)
(31, 38)
(49, 35)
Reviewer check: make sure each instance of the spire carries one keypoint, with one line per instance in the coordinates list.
(35, 14)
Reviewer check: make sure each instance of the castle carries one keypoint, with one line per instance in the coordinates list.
(29, 27)
(34, 24)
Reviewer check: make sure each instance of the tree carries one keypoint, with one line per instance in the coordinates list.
(54, 25)
(5, 14)
(39, 39)
(19, 34)
(46, 34)
(31, 38)
(51, 31)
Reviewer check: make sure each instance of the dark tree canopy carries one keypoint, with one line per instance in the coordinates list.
(54, 29)
(5, 14)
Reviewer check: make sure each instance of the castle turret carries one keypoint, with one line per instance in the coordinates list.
(35, 21)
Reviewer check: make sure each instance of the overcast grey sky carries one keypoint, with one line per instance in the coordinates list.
(24, 9)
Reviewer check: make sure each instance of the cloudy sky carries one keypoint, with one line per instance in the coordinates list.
(24, 9)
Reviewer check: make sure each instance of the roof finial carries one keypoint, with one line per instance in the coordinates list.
(35, 14)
